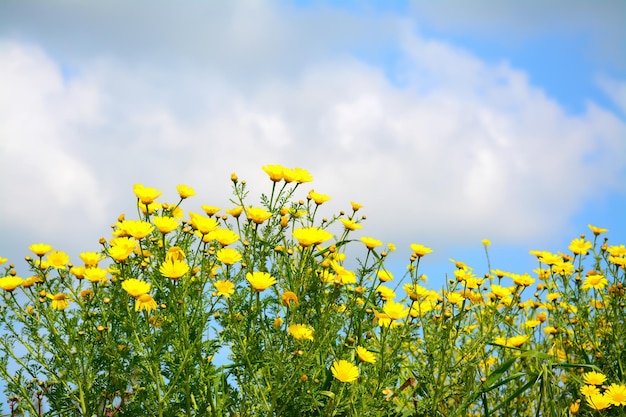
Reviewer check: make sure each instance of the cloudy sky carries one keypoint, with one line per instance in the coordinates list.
(450, 121)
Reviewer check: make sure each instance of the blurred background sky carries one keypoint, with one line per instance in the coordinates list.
(450, 121)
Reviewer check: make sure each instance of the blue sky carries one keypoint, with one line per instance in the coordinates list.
(450, 122)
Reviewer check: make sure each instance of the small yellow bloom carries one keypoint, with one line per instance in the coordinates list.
(344, 371)
(356, 206)
(135, 287)
(420, 250)
(580, 246)
(385, 276)
(597, 230)
(175, 253)
(308, 236)
(202, 224)
(145, 302)
(136, 228)
(30, 281)
(10, 283)
(185, 191)
(3, 260)
(228, 256)
(486, 242)
(96, 275)
(395, 311)
(317, 197)
(59, 301)
(174, 268)
(91, 259)
(210, 210)
(146, 194)
(58, 259)
(235, 211)
(40, 249)
(165, 224)
(365, 355)
(258, 215)
(516, 341)
(301, 331)
(300, 175)
(370, 242)
(224, 236)
(224, 288)
(350, 224)
(275, 172)
(594, 378)
(260, 281)
(289, 297)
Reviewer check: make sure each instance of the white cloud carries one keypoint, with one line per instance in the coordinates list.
(461, 150)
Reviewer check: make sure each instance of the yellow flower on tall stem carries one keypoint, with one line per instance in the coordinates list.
(165, 224)
(260, 281)
(224, 288)
(365, 355)
(58, 259)
(228, 256)
(59, 301)
(275, 172)
(258, 215)
(145, 302)
(185, 191)
(301, 331)
(370, 242)
(10, 283)
(174, 268)
(40, 249)
(135, 287)
(146, 194)
(344, 371)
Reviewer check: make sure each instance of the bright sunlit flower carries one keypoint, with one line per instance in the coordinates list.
(385, 276)
(579, 246)
(289, 297)
(308, 236)
(235, 211)
(10, 283)
(350, 224)
(317, 197)
(420, 250)
(185, 191)
(598, 401)
(202, 224)
(136, 228)
(370, 242)
(365, 355)
(224, 236)
(210, 210)
(224, 288)
(145, 302)
(595, 281)
(121, 248)
(395, 311)
(299, 175)
(597, 230)
(58, 259)
(616, 393)
(59, 301)
(275, 172)
(594, 378)
(146, 194)
(174, 268)
(165, 224)
(228, 256)
(40, 249)
(91, 259)
(96, 275)
(301, 331)
(135, 287)
(260, 281)
(258, 215)
(486, 242)
(344, 371)
(385, 293)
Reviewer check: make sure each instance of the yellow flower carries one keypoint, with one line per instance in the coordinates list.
(420, 250)
(350, 224)
(308, 236)
(10, 283)
(579, 246)
(145, 302)
(165, 224)
(136, 228)
(175, 253)
(235, 211)
(185, 191)
(40, 249)
(121, 248)
(344, 371)
(3, 260)
(597, 230)
(395, 311)
(365, 355)
(258, 215)
(523, 280)
(370, 242)
(30, 281)
(616, 394)
(486, 242)
(174, 268)
(228, 256)
(594, 378)
(96, 275)
(202, 224)
(516, 341)
(385, 293)
(288, 297)
(299, 175)
(356, 206)
(91, 259)
(260, 281)
(454, 297)
(595, 281)
(146, 194)
(59, 301)
(317, 197)
(224, 236)
(598, 401)
(58, 259)
(301, 331)
(224, 288)
(385, 276)
(532, 323)
(210, 210)
(275, 172)
(135, 287)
